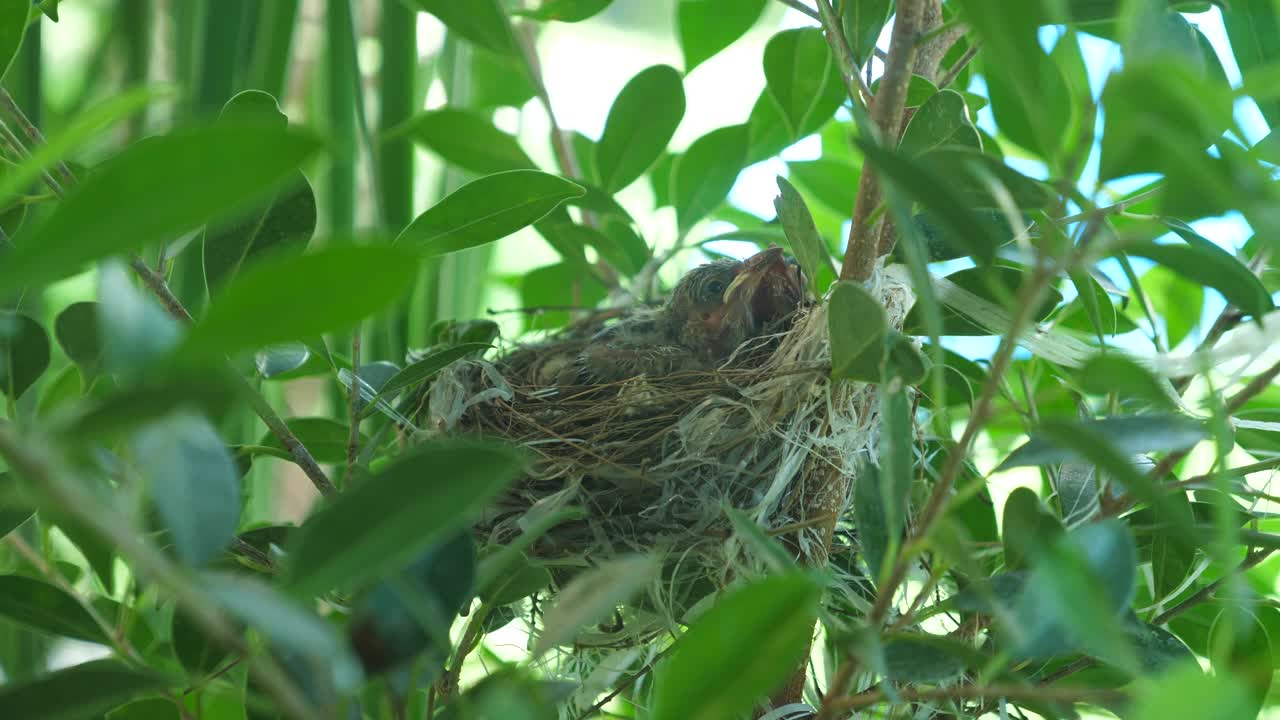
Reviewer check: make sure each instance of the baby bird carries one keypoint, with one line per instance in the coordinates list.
(713, 309)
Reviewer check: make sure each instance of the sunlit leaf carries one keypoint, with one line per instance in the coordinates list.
(805, 241)
(943, 120)
(641, 122)
(324, 437)
(706, 27)
(467, 139)
(797, 67)
(858, 326)
(862, 21)
(569, 11)
(1187, 691)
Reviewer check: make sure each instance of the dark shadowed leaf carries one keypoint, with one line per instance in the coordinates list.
(467, 139)
(1239, 645)
(154, 190)
(706, 171)
(485, 210)
(194, 484)
(921, 658)
(479, 21)
(858, 327)
(641, 122)
(592, 596)
(805, 241)
(195, 650)
(980, 282)
(1157, 648)
(1028, 528)
(13, 26)
(24, 352)
(81, 691)
(973, 173)
(569, 11)
(739, 651)
(706, 27)
(1126, 434)
(326, 438)
(942, 121)
(78, 333)
(384, 523)
(797, 68)
(294, 298)
(493, 79)
(13, 509)
(47, 608)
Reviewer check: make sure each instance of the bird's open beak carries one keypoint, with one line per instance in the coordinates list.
(766, 286)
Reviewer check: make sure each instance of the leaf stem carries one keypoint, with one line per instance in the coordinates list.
(801, 7)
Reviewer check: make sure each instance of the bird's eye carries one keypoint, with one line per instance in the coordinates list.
(715, 288)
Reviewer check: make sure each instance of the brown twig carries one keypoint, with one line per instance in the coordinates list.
(157, 285)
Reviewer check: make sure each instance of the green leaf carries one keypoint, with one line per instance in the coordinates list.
(744, 647)
(384, 523)
(294, 298)
(568, 11)
(493, 80)
(13, 510)
(997, 284)
(705, 173)
(872, 519)
(1178, 302)
(863, 21)
(194, 484)
(1076, 593)
(467, 139)
(198, 653)
(24, 352)
(154, 708)
(13, 26)
(428, 366)
(1253, 27)
(1172, 553)
(1240, 646)
(858, 327)
(939, 196)
(77, 331)
(1076, 484)
(834, 183)
(919, 658)
(592, 596)
(326, 438)
(155, 190)
(973, 173)
(487, 209)
(706, 27)
(942, 121)
(515, 578)
(1028, 527)
(1111, 373)
(805, 241)
(942, 244)
(45, 607)
(1188, 692)
(479, 21)
(797, 68)
(1126, 434)
(768, 131)
(135, 331)
(641, 122)
(1211, 266)
(81, 691)
(552, 285)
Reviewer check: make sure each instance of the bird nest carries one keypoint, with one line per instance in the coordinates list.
(653, 462)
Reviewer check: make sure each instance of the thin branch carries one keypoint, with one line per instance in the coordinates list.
(959, 65)
(1206, 593)
(832, 30)
(157, 285)
(621, 687)
(797, 5)
(886, 113)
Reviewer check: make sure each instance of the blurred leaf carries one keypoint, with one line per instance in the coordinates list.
(78, 333)
(1211, 266)
(752, 536)
(13, 26)
(942, 121)
(1028, 528)
(1157, 648)
(641, 122)
(1075, 594)
(511, 694)
(871, 518)
(1126, 434)
(146, 709)
(862, 22)
(569, 11)
(193, 482)
(1111, 373)
(493, 79)
(487, 209)
(198, 653)
(1253, 27)
(919, 658)
(135, 332)
(1172, 553)
(857, 326)
(704, 174)
(382, 524)
(738, 651)
(288, 624)
(941, 243)
(834, 183)
(1078, 314)
(467, 139)
(551, 287)
(515, 579)
(13, 511)
(153, 191)
(1241, 648)
(973, 173)
(768, 131)
(45, 607)
(1178, 302)
(1076, 484)
(326, 438)
(797, 68)
(100, 554)
(288, 361)
(950, 210)
(660, 177)
(80, 691)
(591, 597)
(979, 281)
(24, 352)
(708, 26)
(479, 21)
(805, 241)
(1003, 589)
(1188, 692)
(293, 298)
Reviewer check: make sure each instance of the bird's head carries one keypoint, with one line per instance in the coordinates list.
(719, 305)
